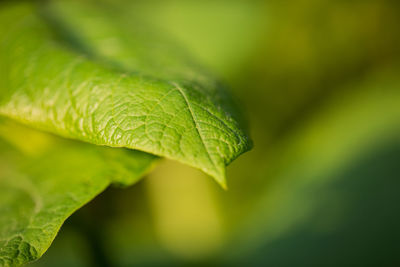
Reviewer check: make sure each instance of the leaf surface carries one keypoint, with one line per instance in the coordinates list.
(88, 74)
(44, 179)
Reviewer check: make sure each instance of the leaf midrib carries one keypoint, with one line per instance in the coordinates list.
(197, 126)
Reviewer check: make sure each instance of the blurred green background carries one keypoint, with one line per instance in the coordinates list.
(319, 81)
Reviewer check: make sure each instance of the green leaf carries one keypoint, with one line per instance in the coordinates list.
(44, 179)
(84, 73)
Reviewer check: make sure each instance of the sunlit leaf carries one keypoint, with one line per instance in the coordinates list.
(44, 179)
(79, 72)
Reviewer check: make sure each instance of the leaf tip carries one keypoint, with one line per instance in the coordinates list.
(220, 178)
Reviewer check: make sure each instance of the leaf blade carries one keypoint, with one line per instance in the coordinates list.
(140, 109)
(42, 186)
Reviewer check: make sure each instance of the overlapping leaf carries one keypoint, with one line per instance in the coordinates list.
(44, 179)
(82, 73)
